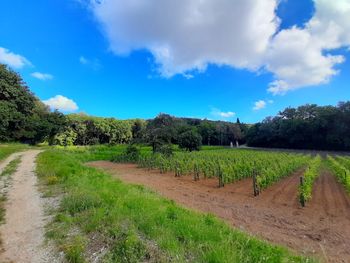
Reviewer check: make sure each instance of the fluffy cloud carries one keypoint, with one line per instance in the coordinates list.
(260, 104)
(42, 76)
(221, 114)
(187, 35)
(11, 59)
(62, 103)
(299, 57)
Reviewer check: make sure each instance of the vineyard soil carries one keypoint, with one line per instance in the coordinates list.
(321, 228)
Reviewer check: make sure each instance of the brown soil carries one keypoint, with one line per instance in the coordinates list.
(321, 229)
(23, 232)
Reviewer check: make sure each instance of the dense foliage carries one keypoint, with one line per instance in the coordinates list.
(190, 140)
(22, 116)
(187, 132)
(87, 130)
(159, 132)
(305, 127)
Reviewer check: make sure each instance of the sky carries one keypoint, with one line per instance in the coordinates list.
(214, 59)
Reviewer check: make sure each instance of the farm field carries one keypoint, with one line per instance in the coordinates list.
(276, 215)
(321, 227)
(175, 131)
(118, 220)
(178, 208)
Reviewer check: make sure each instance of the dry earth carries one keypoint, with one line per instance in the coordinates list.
(22, 233)
(321, 229)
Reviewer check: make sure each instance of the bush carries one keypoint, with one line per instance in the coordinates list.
(132, 153)
(190, 140)
(165, 149)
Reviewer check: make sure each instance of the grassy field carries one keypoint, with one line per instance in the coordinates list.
(127, 223)
(8, 149)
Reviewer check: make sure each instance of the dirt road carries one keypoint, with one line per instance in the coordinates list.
(23, 232)
(321, 229)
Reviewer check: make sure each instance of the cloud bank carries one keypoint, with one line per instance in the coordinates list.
(185, 36)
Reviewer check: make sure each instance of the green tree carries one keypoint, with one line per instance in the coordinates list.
(190, 140)
(23, 117)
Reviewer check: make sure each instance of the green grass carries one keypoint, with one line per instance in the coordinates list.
(7, 149)
(11, 167)
(134, 223)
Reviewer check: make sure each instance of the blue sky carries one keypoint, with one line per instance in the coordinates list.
(102, 67)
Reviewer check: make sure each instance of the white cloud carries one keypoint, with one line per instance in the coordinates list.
(41, 76)
(185, 36)
(13, 60)
(299, 57)
(221, 114)
(62, 103)
(259, 105)
(94, 64)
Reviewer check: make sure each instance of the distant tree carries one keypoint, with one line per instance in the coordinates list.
(160, 131)
(94, 130)
(207, 131)
(66, 138)
(305, 127)
(190, 140)
(138, 130)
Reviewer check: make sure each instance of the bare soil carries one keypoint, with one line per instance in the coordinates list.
(321, 229)
(23, 232)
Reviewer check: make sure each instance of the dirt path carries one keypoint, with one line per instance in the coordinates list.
(321, 229)
(23, 231)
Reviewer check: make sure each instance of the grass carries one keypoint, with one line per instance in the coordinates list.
(134, 224)
(7, 149)
(11, 167)
(8, 171)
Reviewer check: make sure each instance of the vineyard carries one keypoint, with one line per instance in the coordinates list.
(341, 168)
(307, 182)
(228, 166)
(265, 191)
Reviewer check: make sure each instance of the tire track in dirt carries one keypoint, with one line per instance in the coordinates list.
(23, 231)
(6, 162)
(321, 229)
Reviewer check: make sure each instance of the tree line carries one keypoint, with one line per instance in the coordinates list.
(305, 127)
(24, 118)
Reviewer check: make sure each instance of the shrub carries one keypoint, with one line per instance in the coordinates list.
(132, 153)
(165, 149)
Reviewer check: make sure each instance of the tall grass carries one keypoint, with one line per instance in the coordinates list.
(134, 224)
(8, 149)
